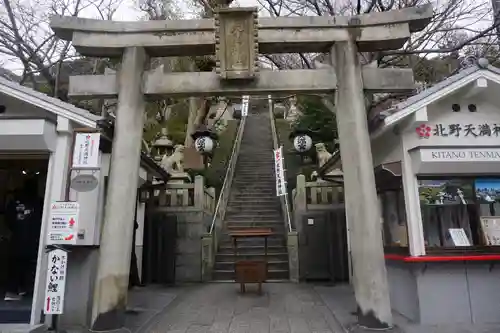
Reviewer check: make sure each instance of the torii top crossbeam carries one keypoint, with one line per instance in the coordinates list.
(375, 31)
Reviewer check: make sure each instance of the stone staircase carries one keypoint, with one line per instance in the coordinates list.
(253, 203)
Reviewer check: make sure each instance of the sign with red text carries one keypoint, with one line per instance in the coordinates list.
(86, 151)
(56, 282)
(280, 172)
(63, 223)
(244, 105)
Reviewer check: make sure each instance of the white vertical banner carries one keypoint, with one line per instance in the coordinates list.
(56, 282)
(280, 172)
(244, 105)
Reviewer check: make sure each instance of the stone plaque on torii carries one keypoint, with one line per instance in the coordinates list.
(236, 36)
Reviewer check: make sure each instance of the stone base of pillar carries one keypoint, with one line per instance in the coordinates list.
(359, 329)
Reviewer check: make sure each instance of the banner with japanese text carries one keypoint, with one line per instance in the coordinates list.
(279, 171)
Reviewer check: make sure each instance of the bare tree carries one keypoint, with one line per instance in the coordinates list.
(470, 19)
(26, 38)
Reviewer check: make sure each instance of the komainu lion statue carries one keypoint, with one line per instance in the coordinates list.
(174, 162)
(322, 154)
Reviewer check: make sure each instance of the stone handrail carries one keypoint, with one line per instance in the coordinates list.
(220, 208)
(211, 239)
(316, 195)
(183, 196)
(285, 207)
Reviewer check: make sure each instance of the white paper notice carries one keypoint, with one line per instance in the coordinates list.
(459, 237)
(86, 150)
(56, 282)
(63, 223)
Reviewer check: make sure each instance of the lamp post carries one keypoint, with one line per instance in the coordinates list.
(163, 145)
(205, 140)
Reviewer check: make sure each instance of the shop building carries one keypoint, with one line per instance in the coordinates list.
(36, 138)
(437, 168)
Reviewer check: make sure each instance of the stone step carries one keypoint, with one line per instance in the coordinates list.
(278, 227)
(228, 275)
(252, 172)
(255, 178)
(271, 265)
(250, 186)
(251, 214)
(244, 196)
(271, 202)
(243, 218)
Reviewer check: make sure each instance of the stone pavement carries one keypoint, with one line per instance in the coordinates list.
(220, 308)
(340, 300)
(146, 304)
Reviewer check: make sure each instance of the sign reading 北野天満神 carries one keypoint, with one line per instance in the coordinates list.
(425, 131)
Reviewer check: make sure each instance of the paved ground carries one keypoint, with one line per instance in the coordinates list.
(340, 300)
(147, 304)
(220, 308)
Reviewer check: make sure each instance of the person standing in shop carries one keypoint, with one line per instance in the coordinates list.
(24, 219)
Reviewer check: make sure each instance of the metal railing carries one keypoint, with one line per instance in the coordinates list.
(220, 208)
(285, 206)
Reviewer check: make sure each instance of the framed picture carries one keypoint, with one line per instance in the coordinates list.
(487, 190)
(446, 191)
(490, 226)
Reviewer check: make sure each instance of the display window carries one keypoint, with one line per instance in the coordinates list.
(393, 214)
(460, 213)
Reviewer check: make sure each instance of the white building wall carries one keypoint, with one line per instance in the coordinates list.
(54, 191)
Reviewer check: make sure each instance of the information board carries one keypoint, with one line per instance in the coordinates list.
(459, 237)
(86, 151)
(63, 223)
(56, 282)
(490, 226)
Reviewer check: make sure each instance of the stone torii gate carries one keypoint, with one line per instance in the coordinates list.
(236, 36)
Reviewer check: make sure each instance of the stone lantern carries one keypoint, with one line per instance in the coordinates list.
(163, 145)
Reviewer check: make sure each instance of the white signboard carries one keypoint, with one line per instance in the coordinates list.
(460, 155)
(459, 237)
(244, 105)
(86, 150)
(56, 282)
(63, 223)
(280, 172)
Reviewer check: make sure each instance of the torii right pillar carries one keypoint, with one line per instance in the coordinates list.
(362, 209)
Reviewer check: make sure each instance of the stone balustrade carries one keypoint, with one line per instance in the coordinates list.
(180, 197)
(318, 195)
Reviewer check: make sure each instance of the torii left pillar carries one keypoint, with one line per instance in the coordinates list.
(110, 299)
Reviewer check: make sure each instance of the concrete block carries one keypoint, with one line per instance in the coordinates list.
(293, 255)
(443, 294)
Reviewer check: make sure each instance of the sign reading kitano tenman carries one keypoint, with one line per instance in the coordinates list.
(56, 282)
(461, 155)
